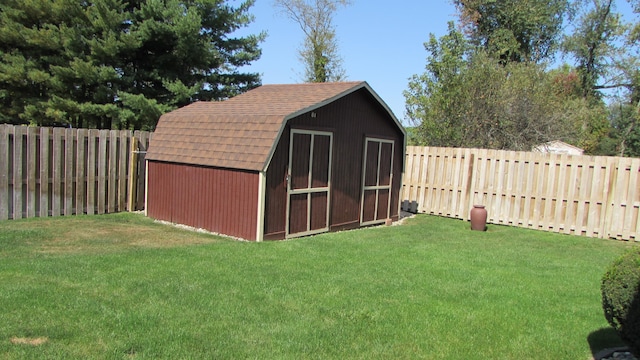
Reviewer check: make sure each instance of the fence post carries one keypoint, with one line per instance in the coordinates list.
(45, 164)
(31, 175)
(133, 178)
(469, 192)
(610, 206)
(5, 130)
(19, 196)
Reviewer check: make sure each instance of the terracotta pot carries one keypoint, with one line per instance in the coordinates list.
(479, 218)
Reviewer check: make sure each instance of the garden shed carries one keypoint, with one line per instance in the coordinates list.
(278, 161)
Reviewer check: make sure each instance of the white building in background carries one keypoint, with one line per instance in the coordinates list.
(558, 147)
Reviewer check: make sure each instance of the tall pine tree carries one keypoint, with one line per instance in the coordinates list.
(119, 63)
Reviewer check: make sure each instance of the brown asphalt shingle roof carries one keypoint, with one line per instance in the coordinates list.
(241, 132)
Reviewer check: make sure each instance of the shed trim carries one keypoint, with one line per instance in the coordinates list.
(309, 190)
(262, 186)
(146, 187)
(364, 187)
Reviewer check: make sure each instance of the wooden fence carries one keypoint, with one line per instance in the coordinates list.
(60, 171)
(581, 195)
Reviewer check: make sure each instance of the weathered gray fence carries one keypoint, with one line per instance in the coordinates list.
(60, 171)
(582, 195)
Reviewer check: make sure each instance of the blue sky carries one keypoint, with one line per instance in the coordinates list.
(380, 42)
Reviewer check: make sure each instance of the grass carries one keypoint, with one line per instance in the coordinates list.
(121, 286)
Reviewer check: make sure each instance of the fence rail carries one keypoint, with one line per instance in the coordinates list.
(581, 195)
(60, 171)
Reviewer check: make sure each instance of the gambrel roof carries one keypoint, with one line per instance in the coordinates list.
(242, 132)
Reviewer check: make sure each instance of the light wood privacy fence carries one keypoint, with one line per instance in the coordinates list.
(581, 195)
(60, 171)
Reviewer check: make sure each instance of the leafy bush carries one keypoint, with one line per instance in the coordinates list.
(621, 297)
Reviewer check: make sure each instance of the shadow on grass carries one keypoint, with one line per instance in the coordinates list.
(604, 341)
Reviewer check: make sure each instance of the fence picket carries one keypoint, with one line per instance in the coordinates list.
(81, 171)
(19, 156)
(91, 171)
(102, 170)
(44, 172)
(57, 166)
(69, 162)
(31, 179)
(124, 155)
(112, 172)
(629, 198)
(5, 193)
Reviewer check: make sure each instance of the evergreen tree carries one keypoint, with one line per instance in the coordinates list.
(118, 63)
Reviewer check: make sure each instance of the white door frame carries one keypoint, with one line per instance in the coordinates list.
(308, 190)
(376, 187)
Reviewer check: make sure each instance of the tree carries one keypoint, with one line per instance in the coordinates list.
(634, 35)
(118, 63)
(468, 98)
(630, 144)
(517, 30)
(319, 52)
(592, 43)
(605, 51)
(430, 99)
(624, 137)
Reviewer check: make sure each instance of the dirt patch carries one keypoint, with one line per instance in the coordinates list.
(29, 341)
(101, 238)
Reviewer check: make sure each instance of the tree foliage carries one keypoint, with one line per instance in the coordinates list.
(593, 42)
(605, 50)
(466, 98)
(487, 82)
(431, 99)
(620, 288)
(319, 51)
(118, 63)
(517, 30)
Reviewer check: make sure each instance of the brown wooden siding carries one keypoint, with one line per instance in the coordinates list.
(298, 222)
(275, 211)
(350, 119)
(218, 200)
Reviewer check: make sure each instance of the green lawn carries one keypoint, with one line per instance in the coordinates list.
(121, 286)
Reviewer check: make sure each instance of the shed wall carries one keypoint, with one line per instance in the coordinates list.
(218, 200)
(351, 119)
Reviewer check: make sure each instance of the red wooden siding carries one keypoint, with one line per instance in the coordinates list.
(351, 119)
(218, 200)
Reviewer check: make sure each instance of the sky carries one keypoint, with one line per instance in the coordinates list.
(380, 42)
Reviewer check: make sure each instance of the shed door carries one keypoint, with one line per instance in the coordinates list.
(309, 182)
(377, 177)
